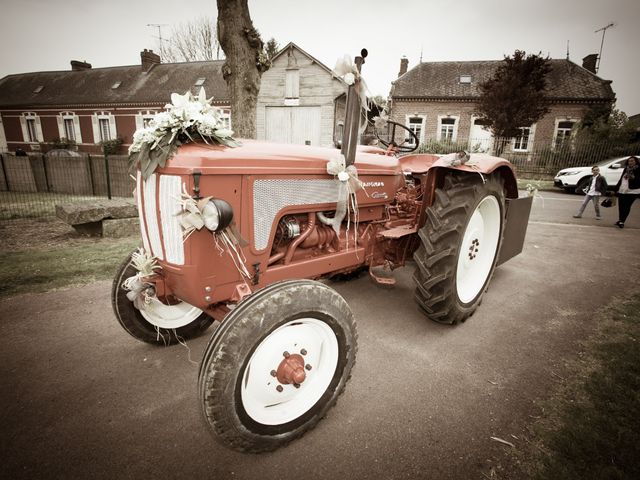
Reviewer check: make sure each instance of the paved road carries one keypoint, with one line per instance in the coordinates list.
(81, 399)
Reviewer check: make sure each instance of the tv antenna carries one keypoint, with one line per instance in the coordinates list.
(603, 30)
(159, 27)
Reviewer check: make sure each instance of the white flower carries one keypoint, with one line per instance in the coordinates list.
(178, 100)
(223, 132)
(349, 78)
(343, 176)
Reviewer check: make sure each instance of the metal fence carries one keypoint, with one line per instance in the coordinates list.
(32, 185)
(537, 161)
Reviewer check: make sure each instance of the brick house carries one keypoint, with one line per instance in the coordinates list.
(437, 101)
(90, 105)
(300, 100)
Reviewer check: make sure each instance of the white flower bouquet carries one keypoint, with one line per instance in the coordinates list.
(186, 119)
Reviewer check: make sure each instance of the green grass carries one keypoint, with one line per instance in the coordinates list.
(31, 205)
(592, 427)
(42, 270)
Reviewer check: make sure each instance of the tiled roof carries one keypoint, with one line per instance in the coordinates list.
(94, 86)
(566, 81)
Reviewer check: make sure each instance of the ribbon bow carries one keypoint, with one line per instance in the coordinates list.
(349, 185)
(348, 71)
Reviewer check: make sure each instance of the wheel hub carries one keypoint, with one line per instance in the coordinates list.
(474, 248)
(291, 370)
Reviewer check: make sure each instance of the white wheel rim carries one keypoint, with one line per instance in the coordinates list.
(169, 316)
(260, 397)
(478, 249)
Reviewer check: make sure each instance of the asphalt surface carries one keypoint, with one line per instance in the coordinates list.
(82, 399)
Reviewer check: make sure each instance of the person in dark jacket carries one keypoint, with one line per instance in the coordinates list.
(597, 187)
(628, 188)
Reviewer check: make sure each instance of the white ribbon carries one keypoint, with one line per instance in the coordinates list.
(348, 71)
(349, 185)
(194, 216)
(146, 265)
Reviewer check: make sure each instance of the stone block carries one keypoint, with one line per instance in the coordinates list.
(89, 211)
(120, 227)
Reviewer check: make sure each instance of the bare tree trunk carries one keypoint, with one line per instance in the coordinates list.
(243, 68)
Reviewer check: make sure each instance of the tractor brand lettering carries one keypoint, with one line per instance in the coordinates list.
(379, 195)
(373, 184)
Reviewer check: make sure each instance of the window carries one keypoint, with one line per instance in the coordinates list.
(415, 125)
(116, 85)
(292, 84)
(563, 132)
(105, 133)
(465, 78)
(144, 117)
(225, 119)
(69, 126)
(31, 128)
(200, 82)
(521, 141)
(69, 129)
(446, 128)
(104, 127)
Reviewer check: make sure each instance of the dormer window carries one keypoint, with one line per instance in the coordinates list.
(116, 85)
(465, 79)
(38, 89)
(200, 82)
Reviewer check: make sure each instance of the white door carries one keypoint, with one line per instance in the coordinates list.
(300, 125)
(480, 136)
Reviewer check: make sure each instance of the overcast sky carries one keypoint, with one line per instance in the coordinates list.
(40, 35)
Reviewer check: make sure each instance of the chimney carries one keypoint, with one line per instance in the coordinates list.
(404, 64)
(589, 62)
(149, 59)
(77, 65)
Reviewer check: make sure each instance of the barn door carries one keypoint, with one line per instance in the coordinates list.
(299, 125)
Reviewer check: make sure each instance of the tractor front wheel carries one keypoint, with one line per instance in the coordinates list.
(459, 246)
(277, 364)
(158, 323)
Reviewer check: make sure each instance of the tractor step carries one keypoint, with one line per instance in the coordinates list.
(398, 232)
(382, 275)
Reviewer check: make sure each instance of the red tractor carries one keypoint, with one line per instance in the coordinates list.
(276, 224)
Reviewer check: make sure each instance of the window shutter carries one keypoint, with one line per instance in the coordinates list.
(23, 125)
(76, 127)
(96, 129)
(39, 130)
(61, 132)
(139, 122)
(113, 133)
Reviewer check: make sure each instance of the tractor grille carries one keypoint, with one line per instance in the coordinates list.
(271, 196)
(158, 208)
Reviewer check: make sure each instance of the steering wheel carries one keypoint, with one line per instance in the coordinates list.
(402, 147)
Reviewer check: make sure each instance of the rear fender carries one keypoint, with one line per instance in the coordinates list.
(432, 172)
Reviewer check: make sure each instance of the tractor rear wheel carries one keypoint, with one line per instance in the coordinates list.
(459, 247)
(277, 364)
(159, 323)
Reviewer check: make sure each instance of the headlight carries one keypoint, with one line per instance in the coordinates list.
(217, 215)
(570, 172)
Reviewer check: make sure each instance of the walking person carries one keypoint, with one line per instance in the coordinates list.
(628, 188)
(597, 187)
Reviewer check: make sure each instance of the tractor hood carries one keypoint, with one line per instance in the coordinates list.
(256, 158)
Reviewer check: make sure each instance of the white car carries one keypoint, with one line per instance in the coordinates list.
(576, 179)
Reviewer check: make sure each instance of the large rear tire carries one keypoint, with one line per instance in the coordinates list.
(248, 400)
(459, 247)
(160, 324)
